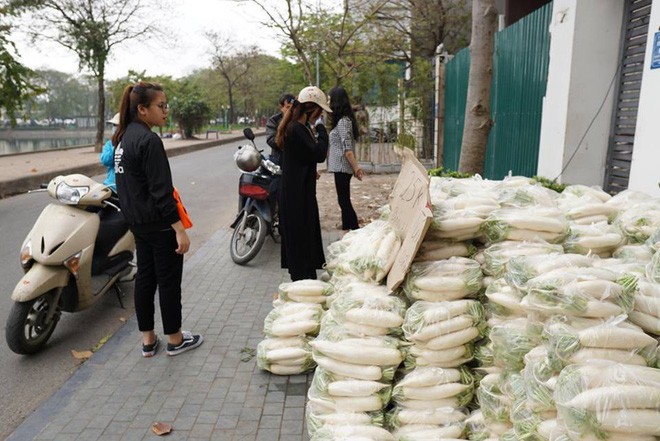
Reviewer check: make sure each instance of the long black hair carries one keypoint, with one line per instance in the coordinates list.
(295, 112)
(141, 93)
(341, 107)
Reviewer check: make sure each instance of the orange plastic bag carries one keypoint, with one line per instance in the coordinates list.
(183, 213)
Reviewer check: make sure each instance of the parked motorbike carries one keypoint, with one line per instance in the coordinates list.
(257, 209)
(77, 250)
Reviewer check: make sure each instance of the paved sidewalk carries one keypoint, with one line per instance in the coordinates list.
(206, 394)
(22, 172)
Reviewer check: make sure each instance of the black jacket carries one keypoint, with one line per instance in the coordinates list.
(271, 137)
(144, 180)
(302, 247)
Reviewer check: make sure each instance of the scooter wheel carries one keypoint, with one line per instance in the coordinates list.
(28, 328)
(247, 239)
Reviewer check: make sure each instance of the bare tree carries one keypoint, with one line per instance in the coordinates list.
(232, 63)
(477, 109)
(91, 29)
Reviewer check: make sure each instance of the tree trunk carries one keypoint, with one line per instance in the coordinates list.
(100, 124)
(230, 97)
(477, 109)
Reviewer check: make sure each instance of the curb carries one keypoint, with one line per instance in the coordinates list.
(22, 185)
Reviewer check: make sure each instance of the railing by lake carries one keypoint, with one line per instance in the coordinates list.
(25, 141)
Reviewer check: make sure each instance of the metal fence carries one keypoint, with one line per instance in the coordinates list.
(520, 71)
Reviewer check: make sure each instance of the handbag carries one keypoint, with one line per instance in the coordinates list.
(183, 213)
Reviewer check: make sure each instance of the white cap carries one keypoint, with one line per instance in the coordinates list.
(312, 94)
(114, 120)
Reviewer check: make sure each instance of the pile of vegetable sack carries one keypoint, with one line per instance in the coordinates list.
(367, 253)
(526, 315)
(357, 352)
(289, 327)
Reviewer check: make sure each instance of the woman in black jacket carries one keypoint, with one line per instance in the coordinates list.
(144, 187)
(302, 247)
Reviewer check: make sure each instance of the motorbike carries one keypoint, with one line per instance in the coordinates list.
(77, 250)
(257, 208)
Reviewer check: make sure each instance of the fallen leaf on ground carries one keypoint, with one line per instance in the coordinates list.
(122, 319)
(33, 170)
(161, 428)
(81, 355)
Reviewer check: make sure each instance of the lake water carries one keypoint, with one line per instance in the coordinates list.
(12, 142)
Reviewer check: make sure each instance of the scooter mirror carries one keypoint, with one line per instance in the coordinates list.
(247, 132)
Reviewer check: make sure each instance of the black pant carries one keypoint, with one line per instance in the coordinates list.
(158, 266)
(349, 219)
(301, 274)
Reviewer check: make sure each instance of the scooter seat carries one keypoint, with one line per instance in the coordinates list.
(112, 228)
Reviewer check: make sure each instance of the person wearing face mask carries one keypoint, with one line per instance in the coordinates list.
(146, 197)
(108, 156)
(304, 142)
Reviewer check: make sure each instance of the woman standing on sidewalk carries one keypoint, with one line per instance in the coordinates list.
(144, 186)
(341, 154)
(302, 247)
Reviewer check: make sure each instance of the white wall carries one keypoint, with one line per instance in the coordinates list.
(584, 54)
(645, 170)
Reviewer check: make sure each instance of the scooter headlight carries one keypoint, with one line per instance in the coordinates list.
(26, 254)
(70, 195)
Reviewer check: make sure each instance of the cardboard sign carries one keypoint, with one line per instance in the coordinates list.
(410, 214)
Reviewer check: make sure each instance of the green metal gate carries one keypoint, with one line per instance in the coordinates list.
(520, 72)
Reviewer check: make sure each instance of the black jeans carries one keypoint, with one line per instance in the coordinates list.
(158, 266)
(349, 219)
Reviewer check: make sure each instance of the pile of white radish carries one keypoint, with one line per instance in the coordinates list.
(285, 355)
(609, 401)
(585, 206)
(528, 223)
(288, 328)
(601, 239)
(460, 218)
(646, 312)
(369, 315)
(367, 253)
(305, 291)
(579, 340)
(496, 257)
(442, 334)
(443, 280)
(564, 324)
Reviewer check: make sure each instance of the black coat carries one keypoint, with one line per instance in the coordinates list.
(302, 247)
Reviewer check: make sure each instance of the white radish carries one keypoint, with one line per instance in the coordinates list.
(434, 392)
(355, 388)
(587, 355)
(289, 329)
(445, 311)
(368, 403)
(611, 337)
(439, 283)
(366, 355)
(648, 323)
(442, 355)
(275, 355)
(441, 328)
(453, 339)
(368, 316)
(617, 397)
(440, 296)
(437, 416)
(451, 402)
(421, 377)
(648, 305)
(631, 421)
(356, 432)
(349, 370)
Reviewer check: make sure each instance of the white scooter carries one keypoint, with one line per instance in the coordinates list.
(76, 251)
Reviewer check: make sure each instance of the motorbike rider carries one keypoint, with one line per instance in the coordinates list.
(285, 102)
